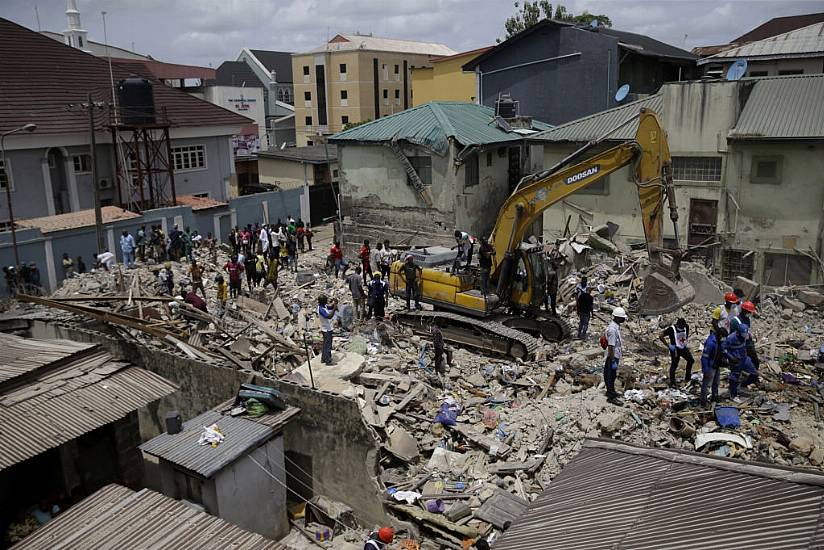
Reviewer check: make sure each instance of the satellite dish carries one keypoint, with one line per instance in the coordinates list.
(622, 93)
(737, 69)
(594, 23)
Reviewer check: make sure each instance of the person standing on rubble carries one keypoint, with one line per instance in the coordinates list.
(249, 266)
(292, 252)
(263, 238)
(68, 266)
(412, 274)
(712, 359)
(747, 309)
(337, 261)
(141, 243)
(196, 274)
(375, 257)
(222, 295)
(551, 288)
(326, 313)
(386, 259)
(676, 337)
(380, 539)
(723, 314)
(583, 305)
(271, 272)
(127, 246)
(613, 354)
(735, 350)
(485, 263)
(81, 265)
(440, 349)
(355, 282)
(234, 269)
(581, 286)
(364, 254)
(308, 233)
(378, 292)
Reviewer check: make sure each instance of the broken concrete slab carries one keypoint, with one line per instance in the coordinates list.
(280, 309)
(706, 292)
(793, 305)
(402, 444)
(811, 298)
(750, 288)
(334, 378)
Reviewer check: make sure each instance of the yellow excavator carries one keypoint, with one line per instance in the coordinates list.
(509, 320)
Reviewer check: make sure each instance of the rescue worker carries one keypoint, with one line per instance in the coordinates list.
(676, 337)
(412, 276)
(364, 254)
(551, 297)
(747, 309)
(735, 351)
(378, 292)
(613, 353)
(380, 539)
(584, 305)
(723, 314)
(326, 313)
(712, 359)
(440, 349)
(485, 262)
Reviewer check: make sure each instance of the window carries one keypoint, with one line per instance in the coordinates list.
(344, 119)
(307, 96)
(786, 269)
(287, 97)
(737, 263)
(787, 72)
(397, 94)
(488, 160)
(306, 70)
(397, 69)
(79, 41)
(758, 73)
(308, 121)
(335, 173)
(189, 157)
(82, 163)
(343, 68)
(280, 95)
(344, 94)
(696, 168)
(385, 94)
(599, 187)
(5, 175)
(471, 170)
(423, 166)
(766, 169)
(309, 142)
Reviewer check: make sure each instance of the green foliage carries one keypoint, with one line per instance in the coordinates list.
(350, 125)
(533, 12)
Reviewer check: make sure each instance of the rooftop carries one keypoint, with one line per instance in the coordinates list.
(53, 391)
(804, 42)
(469, 53)
(313, 154)
(198, 203)
(151, 68)
(241, 434)
(613, 495)
(75, 220)
(433, 124)
(30, 95)
(779, 25)
(236, 73)
(782, 107)
(348, 42)
(279, 62)
(98, 49)
(637, 43)
(118, 517)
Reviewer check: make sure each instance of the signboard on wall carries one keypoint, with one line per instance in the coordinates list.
(245, 144)
(241, 103)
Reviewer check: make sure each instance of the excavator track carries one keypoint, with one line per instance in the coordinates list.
(551, 329)
(469, 331)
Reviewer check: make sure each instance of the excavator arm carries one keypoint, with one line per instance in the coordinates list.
(649, 153)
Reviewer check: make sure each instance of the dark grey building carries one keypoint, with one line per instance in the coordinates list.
(559, 72)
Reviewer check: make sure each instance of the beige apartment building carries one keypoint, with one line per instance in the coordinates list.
(354, 78)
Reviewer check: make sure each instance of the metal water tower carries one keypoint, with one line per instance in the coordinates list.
(135, 97)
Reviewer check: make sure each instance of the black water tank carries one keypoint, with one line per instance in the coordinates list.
(505, 107)
(135, 99)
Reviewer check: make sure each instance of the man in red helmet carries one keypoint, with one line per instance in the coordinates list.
(722, 315)
(744, 317)
(379, 539)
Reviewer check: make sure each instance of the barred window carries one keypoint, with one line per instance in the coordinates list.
(4, 176)
(696, 168)
(82, 163)
(423, 166)
(189, 157)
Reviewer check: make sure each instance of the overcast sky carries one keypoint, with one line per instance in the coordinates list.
(208, 32)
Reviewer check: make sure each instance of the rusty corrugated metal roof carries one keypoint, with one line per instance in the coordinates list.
(119, 518)
(183, 450)
(594, 126)
(67, 398)
(74, 220)
(19, 356)
(783, 107)
(617, 496)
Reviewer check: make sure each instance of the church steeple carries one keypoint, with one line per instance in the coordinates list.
(74, 36)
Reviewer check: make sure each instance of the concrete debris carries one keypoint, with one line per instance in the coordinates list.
(488, 435)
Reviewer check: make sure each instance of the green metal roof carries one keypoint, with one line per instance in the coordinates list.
(783, 107)
(432, 124)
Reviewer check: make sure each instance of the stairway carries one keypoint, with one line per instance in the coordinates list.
(414, 179)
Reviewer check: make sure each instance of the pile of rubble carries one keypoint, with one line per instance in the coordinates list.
(467, 451)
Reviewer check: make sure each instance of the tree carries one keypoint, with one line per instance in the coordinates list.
(533, 12)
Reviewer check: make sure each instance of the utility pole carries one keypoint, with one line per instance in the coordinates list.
(98, 214)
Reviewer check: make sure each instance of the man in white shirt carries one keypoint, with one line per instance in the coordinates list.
(264, 240)
(326, 313)
(613, 354)
(106, 260)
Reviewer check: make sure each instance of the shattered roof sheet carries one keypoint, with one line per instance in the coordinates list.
(118, 517)
(618, 496)
(182, 448)
(75, 220)
(73, 394)
(784, 107)
(313, 154)
(805, 42)
(432, 124)
(596, 125)
(19, 356)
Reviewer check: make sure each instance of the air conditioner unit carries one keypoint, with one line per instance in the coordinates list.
(105, 184)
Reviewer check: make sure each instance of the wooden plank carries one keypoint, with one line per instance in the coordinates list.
(436, 520)
(234, 359)
(410, 395)
(501, 449)
(271, 333)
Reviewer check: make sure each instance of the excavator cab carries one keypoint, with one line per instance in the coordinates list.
(528, 284)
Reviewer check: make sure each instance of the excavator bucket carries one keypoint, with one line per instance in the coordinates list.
(663, 294)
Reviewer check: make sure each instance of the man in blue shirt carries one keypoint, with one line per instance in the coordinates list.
(711, 361)
(735, 350)
(326, 313)
(127, 246)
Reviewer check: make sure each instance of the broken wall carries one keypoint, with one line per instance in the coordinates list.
(330, 429)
